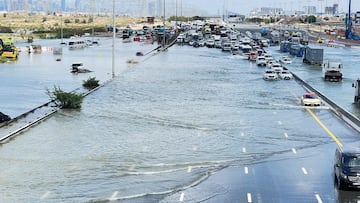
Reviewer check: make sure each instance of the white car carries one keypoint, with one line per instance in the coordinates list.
(275, 66)
(261, 61)
(285, 60)
(270, 75)
(286, 75)
(310, 99)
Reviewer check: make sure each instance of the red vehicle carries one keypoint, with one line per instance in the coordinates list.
(253, 55)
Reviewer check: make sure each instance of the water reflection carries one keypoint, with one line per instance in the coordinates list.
(347, 196)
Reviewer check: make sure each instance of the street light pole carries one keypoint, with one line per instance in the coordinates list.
(176, 13)
(113, 41)
(164, 33)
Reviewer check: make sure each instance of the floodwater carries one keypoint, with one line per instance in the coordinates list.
(159, 126)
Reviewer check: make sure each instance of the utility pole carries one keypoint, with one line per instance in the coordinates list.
(113, 41)
(164, 33)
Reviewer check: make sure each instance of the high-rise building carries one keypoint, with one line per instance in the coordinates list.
(63, 6)
(77, 5)
(151, 8)
(3, 5)
(159, 8)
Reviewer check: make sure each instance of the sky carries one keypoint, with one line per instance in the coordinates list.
(244, 7)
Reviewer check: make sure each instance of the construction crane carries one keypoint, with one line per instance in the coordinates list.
(349, 34)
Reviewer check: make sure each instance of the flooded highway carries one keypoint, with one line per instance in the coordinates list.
(184, 125)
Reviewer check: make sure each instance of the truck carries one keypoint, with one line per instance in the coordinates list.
(275, 37)
(7, 50)
(313, 56)
(356, 85)
(333, 71)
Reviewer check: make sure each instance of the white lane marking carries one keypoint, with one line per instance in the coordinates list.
(286, 135)
(182, 197)
(279, 122)
(45, 195)
(189, 169)
(244, 150)
(318, 198)
(246, 170)
(114, 195)
(132, 167)
(294, 150)
(304, 170)
(249, 197)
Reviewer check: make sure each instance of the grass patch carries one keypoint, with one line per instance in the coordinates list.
(91, 83)
(67, 100)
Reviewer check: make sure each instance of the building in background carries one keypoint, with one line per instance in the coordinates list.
(332, 10)
(310, 10)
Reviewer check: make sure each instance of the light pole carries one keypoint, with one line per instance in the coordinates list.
(320, 16)
(176, 13)
(113, 42)
(164, 33)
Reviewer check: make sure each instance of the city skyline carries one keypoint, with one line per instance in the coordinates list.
(173, 7)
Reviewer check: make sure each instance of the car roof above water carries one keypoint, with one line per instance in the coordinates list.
(350, 150)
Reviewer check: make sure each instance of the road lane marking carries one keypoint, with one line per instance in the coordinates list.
(246, 170)
(181, 199)
(45, 195)
(304, 170)
(286, 135)
(325, 128)
(294, 150)
(189, 169)
(317, 196)
(244, 150)
(114, 195)
(249, 197)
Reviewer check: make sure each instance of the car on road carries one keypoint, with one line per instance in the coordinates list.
(310, 99)
(285, 60)
(347, 167)
(275, 66)
(285, 75)
(270, 75)
(261, 61)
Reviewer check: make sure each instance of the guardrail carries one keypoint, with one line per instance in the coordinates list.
(20, 123)
(343, 114)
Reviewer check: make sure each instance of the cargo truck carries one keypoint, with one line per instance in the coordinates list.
(332, 71)
(313, 56)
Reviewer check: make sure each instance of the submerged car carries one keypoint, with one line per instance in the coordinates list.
(270, 75)
(285, 75)
(261, 61)
(310, 99)
(285, 60)
(347, 167)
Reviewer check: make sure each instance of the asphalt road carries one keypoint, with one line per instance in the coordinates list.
(298, 175)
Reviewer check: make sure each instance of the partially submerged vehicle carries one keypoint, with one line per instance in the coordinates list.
(310, 99)
(333, 71)
(78, 68)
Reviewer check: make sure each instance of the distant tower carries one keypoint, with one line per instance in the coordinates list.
(159, 8)
(63, 6)
(9, 4)
(5, 5)
(336, 8)
(143, 8)
(77, 5)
